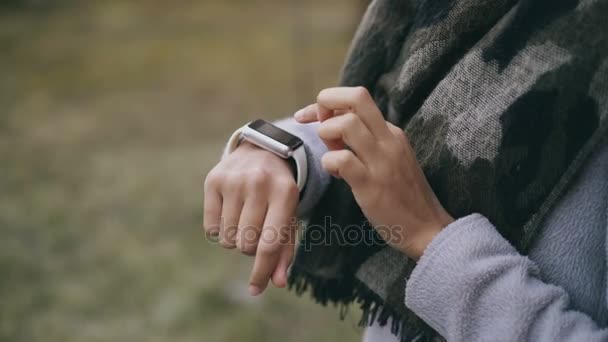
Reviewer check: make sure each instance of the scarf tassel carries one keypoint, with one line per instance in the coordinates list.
(345, 291)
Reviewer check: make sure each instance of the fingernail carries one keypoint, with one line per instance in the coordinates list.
(298, 115)
(254, 290)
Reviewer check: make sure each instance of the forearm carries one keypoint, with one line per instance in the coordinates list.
(472, 285)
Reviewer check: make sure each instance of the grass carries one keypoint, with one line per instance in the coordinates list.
(112, 112)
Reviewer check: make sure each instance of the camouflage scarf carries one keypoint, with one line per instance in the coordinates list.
(502, 100)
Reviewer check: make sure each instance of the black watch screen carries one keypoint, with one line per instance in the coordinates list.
(266, 128)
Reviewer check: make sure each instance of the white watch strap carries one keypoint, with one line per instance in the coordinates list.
(233, 142)
(298, 155)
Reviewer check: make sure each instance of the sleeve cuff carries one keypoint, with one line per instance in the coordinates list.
(442, 273)
(318, 179)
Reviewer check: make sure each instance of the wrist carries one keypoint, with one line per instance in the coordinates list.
(426, 234)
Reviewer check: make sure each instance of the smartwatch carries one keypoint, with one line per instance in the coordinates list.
(273, 139)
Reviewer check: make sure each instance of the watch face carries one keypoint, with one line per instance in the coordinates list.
(275, 133)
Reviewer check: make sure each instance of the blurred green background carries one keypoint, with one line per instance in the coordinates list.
(111, 114)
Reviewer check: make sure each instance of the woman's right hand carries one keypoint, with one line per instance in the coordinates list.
(250, 198)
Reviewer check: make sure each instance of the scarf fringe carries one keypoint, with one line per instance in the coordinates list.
(345, 291)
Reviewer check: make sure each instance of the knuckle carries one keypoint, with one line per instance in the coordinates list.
(248, 248)
(345, 159)
(268, 250)
(248, 252)
(248, 235)
(231, 176)
(212, 179)
(258, 178)
(392, 127)
(351, 120)
(397, 132)
(324, 130)
(327, 161)
(227, 244)
(321, 96)
(361, 94)
(233, 181)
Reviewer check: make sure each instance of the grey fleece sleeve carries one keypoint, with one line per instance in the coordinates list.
(472, 285)
(318, 179)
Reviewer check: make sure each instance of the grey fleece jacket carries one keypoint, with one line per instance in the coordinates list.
(472, 285)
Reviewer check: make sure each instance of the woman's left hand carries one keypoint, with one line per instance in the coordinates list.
(380, 166)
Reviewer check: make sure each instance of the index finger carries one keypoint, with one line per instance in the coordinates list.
(359, 101)
(313, 113)
(274, 234)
